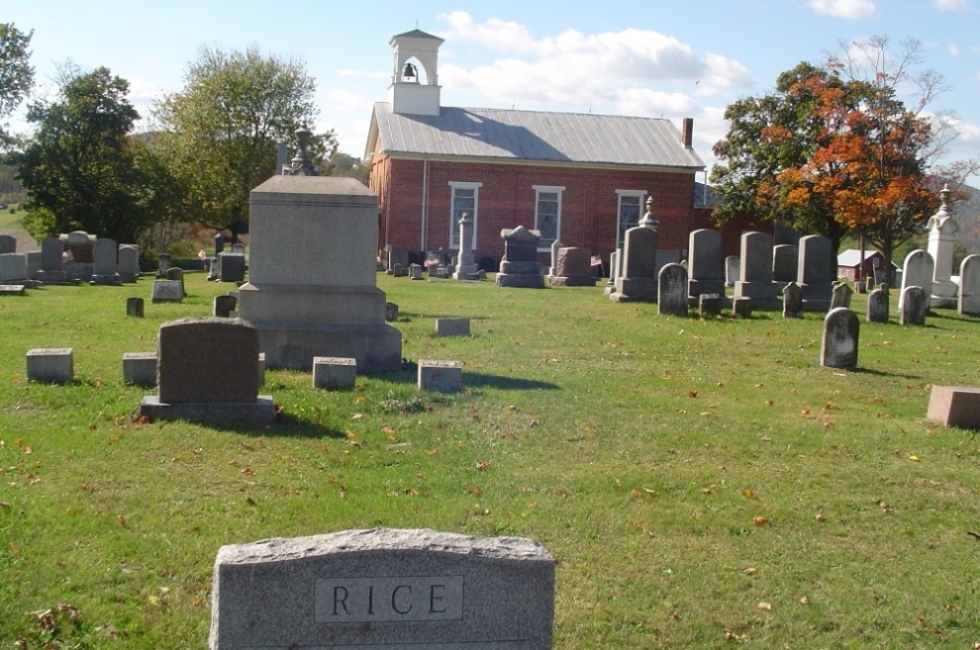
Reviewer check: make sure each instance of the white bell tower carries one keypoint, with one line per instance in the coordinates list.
(414, 88)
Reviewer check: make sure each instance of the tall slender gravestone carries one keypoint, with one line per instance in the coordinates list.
(815, 272)
(968, 303)
(942, 231)
(733, 266)
(637, 281)
(915, 306)
(917, 271)
(52, 261)
(705, 263)
(311, 289)
(672, 291)
(792, 301)
(785, 259)
(756, 272)
(841, 296)
(466, 267)
(878, 305)
(129, 262)
(839, 347)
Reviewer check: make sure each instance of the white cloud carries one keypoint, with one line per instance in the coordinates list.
(951, 5)
(953, 49)
(846, 9)
(603, 71)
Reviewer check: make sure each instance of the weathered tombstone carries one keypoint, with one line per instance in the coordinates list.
(176, 274)
(917, 271)
(399, 271)
(105, 269)
(134, 307)
(733, 267)
(756, 271)
(325, 301)
(8, 244)
(13, 268)
(129, 263)
(860, 287)
(942, 237)
(519, 266)
(223, 305)
(414, 272)
(792, 301)
(555, 246)
(709, 304)
(572, 268)
(839, 346)
(397, 256)
(391, 312)
(452, 327)
(167, 291)
(841, 296)
(51, 365)
(869, 284)
(190, 353)
(445, 376)
(968, 302)
(742, 307)
(672, 291)
(705, 263)
(785, 259)
(915, 306)
(638, 279)
(52, 263)
(384, 588)
(219, 244)
(334, 373)
(140, 368)
(878, 306)
(815, 272)
(163, 260)
(232, 267)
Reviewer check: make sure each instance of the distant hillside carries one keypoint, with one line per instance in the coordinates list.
(967, 215)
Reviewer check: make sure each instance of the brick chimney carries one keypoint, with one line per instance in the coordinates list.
(687, 133)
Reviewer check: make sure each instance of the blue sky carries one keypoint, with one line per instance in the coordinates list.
(672, 60)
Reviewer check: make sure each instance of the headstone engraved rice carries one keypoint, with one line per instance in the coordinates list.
(190, 353)
(915, 306)
(572, 268)
(756, 272)
(816, 272)
(792, 301)
(519, 266)
(637, 280)
(383, 588)
(968, 302)
(706, 274)
(942, 237)
(917, 271)
(785, 259)
(672, 290)
(839, 346)
(878, 306)
(841, 296)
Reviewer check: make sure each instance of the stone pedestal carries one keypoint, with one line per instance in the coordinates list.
(311, 289)
(519, 266)
(942, 231)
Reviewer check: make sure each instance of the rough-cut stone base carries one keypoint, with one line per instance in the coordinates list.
(955, 406)
(763, 295)
(635, 290)
(572, 280)
(261, 411)
(521, 280)
(377, 348)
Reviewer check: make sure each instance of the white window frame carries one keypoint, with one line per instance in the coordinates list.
(548, 189)
(453, 220)
(620, 195)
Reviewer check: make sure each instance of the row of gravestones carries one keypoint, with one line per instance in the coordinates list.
(72, 258)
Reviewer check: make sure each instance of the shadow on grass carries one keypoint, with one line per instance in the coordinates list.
(409, 375)
(879, 373)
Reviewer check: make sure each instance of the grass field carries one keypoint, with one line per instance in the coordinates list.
(701, 484)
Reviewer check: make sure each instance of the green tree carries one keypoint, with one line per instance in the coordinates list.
(16, 73)
(346, 165)
(221, 132)
(81, 169)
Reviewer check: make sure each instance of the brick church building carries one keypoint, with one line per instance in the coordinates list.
(580, 178)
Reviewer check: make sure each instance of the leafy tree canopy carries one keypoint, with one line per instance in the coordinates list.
(834, 150)
(16, 72)
(221, 132)
(81, 169)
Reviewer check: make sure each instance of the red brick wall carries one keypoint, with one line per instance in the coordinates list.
(506, 200)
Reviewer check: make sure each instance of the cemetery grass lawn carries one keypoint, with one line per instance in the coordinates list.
(701, 484)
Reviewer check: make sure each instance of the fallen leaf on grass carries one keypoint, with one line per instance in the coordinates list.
(121, 520)
(913, 458)
(760, 521)
(749, 494)
(730, 636)
(4, 505)
(764, 607)
(749, 571)
(483, 465)
(357, 416)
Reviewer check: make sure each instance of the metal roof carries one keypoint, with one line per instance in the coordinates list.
(515, 135)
